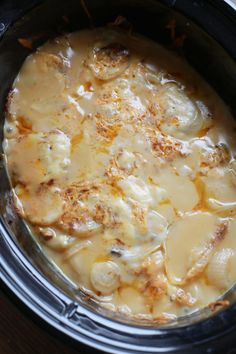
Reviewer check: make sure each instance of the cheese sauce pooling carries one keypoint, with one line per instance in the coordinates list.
(122, 162)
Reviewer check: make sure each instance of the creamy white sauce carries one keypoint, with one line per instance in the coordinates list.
(122, 164)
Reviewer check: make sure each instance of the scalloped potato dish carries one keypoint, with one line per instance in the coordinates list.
(122, 162)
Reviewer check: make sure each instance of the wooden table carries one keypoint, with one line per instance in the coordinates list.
(20, 335)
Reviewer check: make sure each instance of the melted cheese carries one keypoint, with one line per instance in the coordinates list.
(122, 163)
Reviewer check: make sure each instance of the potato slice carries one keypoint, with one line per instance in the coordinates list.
(43, 207)
(180, 190)
(108, 60)
(157, 228)
(39, 158)
(49, 70)
(186, 242)
(39, 87)
(182, 117)
(127, 296)
(137, 189)
(54, 239)
(220, 191)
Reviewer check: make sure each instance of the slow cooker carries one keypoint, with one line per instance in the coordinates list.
(209, 28)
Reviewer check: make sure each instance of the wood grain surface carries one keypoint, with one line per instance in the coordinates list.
(19, 334)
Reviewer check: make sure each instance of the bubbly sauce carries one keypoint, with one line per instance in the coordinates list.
(122, 163)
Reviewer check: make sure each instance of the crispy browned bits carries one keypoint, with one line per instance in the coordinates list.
(213, 306)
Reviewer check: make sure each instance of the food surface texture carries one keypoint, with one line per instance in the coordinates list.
(122, 162)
